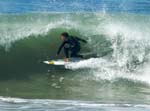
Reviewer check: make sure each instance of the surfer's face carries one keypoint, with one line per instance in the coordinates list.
(62, 38)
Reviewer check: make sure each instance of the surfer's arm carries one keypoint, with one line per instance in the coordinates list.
(60, 48)
(82, 40)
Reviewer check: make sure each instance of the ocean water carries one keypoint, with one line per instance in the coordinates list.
(116, 30)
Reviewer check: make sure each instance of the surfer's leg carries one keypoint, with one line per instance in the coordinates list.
(75, 51)
(66, 51)
(73, 54)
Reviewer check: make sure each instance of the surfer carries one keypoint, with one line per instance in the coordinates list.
(71, 45)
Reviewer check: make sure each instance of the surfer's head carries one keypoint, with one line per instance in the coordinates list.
(64, 36)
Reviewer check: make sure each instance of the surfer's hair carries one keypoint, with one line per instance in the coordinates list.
(65, 34)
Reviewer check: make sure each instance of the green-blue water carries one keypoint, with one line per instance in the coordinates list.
(117, 80)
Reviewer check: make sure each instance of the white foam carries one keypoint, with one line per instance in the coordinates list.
(50, 102)
(13, 100)
(130, 43)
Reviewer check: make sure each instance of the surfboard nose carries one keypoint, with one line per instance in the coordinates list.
(48, 62)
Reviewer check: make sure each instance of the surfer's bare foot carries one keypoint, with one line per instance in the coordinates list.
(66, 59)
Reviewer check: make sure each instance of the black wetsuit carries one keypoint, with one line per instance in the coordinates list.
(71, 45)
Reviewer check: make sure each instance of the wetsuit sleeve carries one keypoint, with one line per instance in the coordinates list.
(82, 40)
(60, 48)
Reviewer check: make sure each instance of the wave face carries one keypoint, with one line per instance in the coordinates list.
(30, 38)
